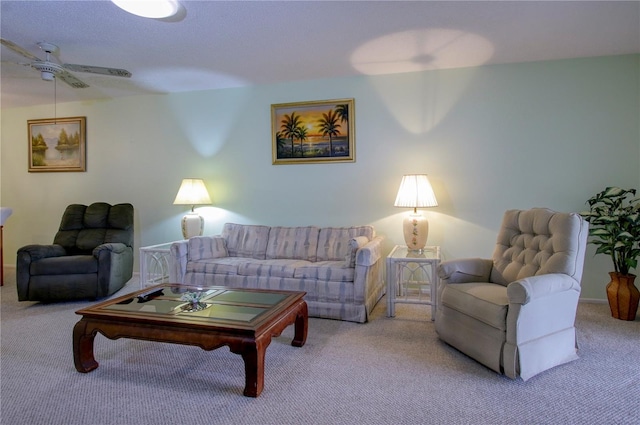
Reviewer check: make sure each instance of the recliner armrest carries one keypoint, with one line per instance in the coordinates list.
(465, 270)
(531, 288)
(116, 248)
(37, 252)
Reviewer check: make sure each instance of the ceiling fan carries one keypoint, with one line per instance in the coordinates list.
(50, 70)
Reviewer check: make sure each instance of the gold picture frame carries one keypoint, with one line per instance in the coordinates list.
(57, 144)
(313, 132)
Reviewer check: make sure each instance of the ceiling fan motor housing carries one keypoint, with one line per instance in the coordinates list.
(48, 70)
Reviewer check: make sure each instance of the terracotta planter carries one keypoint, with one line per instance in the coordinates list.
(623, 296)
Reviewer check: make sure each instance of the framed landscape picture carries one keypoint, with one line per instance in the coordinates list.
(313, 132)
(57, 144)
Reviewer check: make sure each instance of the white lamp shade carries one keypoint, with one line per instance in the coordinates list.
(415, 192)
(192, 192)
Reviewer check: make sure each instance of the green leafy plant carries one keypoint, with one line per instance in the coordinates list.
(614, 218)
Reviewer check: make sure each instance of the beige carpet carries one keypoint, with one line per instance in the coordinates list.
(388, 371)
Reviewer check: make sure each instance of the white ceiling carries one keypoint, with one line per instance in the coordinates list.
(222, 44)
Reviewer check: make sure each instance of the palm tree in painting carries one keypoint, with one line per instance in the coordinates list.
(289, 126)
(301, 134)
(328, 126)
(343, 112)
(280, 141)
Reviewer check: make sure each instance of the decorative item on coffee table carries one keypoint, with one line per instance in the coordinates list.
(614, 218)
(193, 300)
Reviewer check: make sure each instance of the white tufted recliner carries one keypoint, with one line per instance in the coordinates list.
(515, 313)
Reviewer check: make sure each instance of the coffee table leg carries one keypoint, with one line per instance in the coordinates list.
(253, 355)
(301, 326)
(83, 348)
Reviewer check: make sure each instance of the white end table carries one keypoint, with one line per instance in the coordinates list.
(155, 263)
(412, 278)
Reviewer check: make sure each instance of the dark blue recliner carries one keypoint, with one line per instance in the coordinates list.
(91, 256)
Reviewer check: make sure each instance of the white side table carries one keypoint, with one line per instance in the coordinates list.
(155, 263)
(412, 278)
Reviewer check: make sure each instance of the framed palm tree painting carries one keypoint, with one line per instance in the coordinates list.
(313, 132)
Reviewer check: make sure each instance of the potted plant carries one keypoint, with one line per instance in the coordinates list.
(614, 219)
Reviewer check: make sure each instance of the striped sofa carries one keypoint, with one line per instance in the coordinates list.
(340, 268)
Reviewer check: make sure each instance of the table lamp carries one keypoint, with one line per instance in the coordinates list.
(415, 192)
(192, 192)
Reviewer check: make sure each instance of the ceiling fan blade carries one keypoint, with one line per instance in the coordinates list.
(115, 72)
(71, 80)
(11, 45)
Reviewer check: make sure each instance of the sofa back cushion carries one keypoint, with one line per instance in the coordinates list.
(246, 240)
(333, 242)
(206, 247)
(539, 241)
(296, 243)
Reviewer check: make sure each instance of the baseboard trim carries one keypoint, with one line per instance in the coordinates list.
(592, 301)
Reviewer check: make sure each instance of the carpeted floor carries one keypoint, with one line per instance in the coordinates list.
(388, 371)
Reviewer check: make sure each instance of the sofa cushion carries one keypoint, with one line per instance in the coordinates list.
(326, 271)
(333, 242)
(300, 243)
(486, 302)
(270, 268)
(245, 240)
(202, 247)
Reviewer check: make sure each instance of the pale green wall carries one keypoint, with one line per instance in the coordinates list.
(491, 138)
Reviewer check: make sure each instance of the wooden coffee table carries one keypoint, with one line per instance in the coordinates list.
(243, 319)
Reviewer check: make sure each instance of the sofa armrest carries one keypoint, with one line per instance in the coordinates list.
(368, 282)
(531, 288)
(178, 252)
(465, 270)
(193, 249)
(370, 253)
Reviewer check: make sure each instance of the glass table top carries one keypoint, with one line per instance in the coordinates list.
(215, 303)
(428, 253)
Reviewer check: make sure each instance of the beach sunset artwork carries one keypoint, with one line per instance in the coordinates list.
(313, 132)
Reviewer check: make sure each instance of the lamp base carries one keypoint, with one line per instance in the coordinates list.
(416, 230)
(192, 225)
